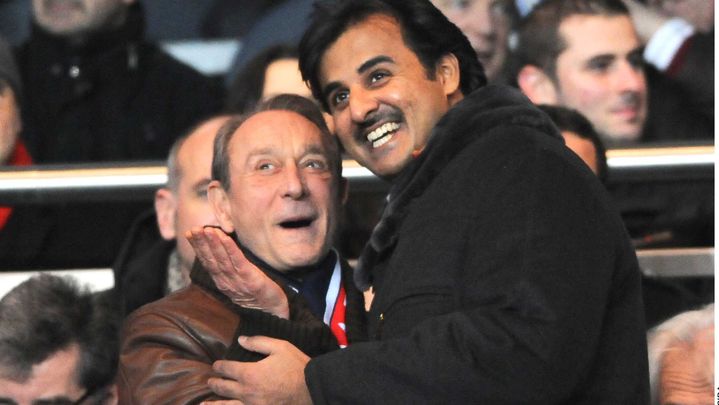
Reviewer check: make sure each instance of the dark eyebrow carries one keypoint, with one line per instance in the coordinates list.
(374, 61)
(361, 69)
(7, 401)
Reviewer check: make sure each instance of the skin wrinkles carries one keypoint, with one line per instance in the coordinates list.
(283, 201)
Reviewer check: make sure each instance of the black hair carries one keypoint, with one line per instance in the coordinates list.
(47, 314)
(567, 119)
(425, 30)
(539, 42)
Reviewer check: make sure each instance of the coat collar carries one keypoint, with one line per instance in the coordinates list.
(485, 109)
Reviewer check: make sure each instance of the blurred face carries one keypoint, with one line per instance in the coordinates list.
(698, 13)
(584, 148)
(486, 27)
(283, 200)
(52, 381)
(10, 124)
(187, 206)
(79, 17)
(600, 75)
(383, 105)
(283, 76)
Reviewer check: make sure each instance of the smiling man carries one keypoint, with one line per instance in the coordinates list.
(586, 55)
(276, 189)
(498, 256)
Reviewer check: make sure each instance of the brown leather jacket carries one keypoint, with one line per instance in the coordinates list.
(168, 346)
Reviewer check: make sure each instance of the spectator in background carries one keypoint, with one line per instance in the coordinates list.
(586, 55)
(58, 344)
(681, 359)
(488, 25)
(12, 150)
(151, 264)
(96, 91)
(273, 71)
(662, 297)
(579, 136)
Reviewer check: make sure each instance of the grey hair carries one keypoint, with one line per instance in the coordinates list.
(283, 102)
(680, 328)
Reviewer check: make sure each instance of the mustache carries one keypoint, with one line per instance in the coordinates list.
(390, 114)
(631, 99)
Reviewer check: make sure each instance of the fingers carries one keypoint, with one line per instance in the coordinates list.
(261, 344)
(225, 388)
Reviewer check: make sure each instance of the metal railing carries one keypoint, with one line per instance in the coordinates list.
(137, 182)
(123, 182)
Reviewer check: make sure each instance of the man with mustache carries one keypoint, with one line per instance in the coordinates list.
(277, 190)
(586, 55)
(498, 256)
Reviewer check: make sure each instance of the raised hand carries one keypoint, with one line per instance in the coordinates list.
(234, 275)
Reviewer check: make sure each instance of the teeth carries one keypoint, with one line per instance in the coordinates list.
(381, 141)
(382, 131)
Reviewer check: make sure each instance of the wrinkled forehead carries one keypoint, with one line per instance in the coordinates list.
(277, 130)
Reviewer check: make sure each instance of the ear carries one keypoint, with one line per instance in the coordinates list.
(344, 190)
(537, 85)
(448, 74)
(166, 211)
(220, 205)
(113, 397)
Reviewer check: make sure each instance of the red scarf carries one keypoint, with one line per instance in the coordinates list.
(336, 301)
(19, 157)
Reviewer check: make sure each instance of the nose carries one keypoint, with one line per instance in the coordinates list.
(294, 186)
(361, 104)
(630, 78)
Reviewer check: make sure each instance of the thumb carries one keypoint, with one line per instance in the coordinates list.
(260, 344)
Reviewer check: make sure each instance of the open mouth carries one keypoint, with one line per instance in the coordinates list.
(383, 134)
(296, 223)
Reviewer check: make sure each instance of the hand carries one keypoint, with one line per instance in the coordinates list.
(234, 275)
(277, 379)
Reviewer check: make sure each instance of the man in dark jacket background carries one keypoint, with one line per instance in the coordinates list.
(156, 258)
(501, 273)
(95, 90)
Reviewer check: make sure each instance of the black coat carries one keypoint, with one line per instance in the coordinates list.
(115, 97)
(140, 270)
(501, 273)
